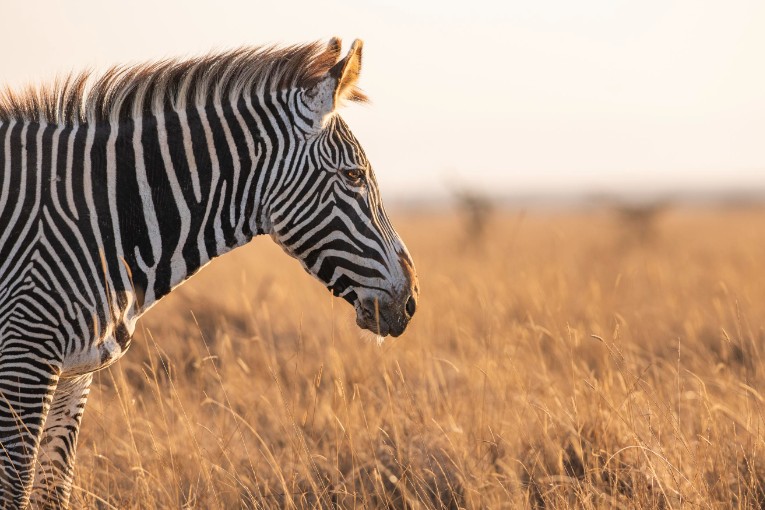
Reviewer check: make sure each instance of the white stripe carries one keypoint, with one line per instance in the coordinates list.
(190, 158)
(178, 269)
(203, 255)
(357, 279)
(237, 169)
(220, 241)
(69, 171)
(111, 191)
(150, 215)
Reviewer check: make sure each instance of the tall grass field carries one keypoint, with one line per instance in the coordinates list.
(591, 359)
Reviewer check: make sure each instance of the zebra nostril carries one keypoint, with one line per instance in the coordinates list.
(411, 306)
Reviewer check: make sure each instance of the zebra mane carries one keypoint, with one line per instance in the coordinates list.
(131, 91)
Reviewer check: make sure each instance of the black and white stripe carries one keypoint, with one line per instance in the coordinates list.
(110, 199)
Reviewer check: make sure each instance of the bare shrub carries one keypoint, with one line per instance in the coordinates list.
(475, 210)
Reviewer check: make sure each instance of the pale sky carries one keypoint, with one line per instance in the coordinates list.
(508, 96)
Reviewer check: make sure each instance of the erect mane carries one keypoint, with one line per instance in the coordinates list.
(127, 91)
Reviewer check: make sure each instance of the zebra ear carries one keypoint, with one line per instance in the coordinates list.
(346, 73)
(339, 84)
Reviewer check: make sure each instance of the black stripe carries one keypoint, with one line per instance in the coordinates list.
(183, 173)
(132, 222)
(226, 166)
(168, 216)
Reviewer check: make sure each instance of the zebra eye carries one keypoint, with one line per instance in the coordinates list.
(354, 175)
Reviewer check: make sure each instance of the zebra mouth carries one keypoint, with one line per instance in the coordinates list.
(369, 318)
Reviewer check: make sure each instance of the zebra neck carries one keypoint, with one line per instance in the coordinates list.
(185, 188)
(145, 202)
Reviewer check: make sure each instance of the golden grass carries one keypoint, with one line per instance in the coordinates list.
(566, 362)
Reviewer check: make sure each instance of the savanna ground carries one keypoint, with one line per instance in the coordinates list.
(589, 360)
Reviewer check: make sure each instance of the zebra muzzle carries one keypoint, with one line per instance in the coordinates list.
(385, 316)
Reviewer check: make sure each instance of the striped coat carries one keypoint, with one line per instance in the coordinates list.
(111, 196)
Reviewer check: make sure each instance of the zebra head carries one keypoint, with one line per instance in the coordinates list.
(329, 214)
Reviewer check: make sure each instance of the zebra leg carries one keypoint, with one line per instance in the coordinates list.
(55, 460)
(27, 384)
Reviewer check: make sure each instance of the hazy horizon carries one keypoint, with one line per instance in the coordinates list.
(510, 98)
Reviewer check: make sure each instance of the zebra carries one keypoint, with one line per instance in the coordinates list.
(115, 190)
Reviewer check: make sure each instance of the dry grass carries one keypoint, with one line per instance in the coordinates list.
(567, 362)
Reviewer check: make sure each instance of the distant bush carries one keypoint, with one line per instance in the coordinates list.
(475, 209)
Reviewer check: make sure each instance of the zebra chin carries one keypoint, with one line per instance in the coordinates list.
(381, 314)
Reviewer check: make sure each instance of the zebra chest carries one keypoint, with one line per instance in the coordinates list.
(101, 350)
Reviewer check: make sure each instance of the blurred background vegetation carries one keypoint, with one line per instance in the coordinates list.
(604, 356)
